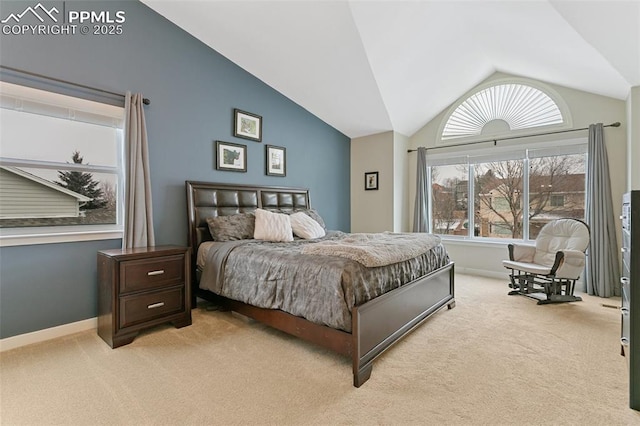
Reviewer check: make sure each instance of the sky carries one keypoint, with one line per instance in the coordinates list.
(39, 137)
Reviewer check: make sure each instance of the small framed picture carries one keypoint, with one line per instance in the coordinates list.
(231, 156)
(276, 160)
(370, 181)
(247, 125)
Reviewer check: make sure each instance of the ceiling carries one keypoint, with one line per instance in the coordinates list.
(365, 67)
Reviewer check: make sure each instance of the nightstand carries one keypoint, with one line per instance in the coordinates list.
(140, 288)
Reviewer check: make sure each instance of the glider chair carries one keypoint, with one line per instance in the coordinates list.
(548, 271)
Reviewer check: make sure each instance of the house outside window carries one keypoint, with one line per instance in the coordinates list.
(61, 165)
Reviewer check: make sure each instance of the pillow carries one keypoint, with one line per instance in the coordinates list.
(272, 226)
(313, 214)
(233, 227)
(305, 227)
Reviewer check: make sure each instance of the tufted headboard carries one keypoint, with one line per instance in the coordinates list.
(206, 199)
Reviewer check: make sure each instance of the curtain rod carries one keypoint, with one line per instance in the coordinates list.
(145, 101)
(495, 141)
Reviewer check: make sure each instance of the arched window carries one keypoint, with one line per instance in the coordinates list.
(508, 191)
(501, 108)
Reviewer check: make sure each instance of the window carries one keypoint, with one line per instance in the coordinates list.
(514, 193)
(497, 202)
(450, 193)
(557, 188)
(504, 107)
(514, 189)
(60, 163)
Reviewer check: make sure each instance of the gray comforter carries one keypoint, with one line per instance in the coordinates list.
(323, 289)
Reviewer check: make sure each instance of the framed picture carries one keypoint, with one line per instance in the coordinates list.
(247, 125)
(370, 181)
(276, 160)
(231, 156)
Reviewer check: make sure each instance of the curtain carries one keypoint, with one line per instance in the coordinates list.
(138, 217)
(421, 208)
(603, 274)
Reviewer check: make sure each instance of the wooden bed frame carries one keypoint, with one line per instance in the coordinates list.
(376, 325)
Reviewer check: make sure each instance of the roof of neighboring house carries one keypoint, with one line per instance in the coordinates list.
(45, 182)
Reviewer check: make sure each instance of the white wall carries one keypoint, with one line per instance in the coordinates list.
(385, 209)
(633, 139)
(400, 183)
(372, 211)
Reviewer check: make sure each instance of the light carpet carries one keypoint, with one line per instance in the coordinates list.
(493, 359)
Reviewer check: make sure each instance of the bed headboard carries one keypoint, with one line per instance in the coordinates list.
(207, 199)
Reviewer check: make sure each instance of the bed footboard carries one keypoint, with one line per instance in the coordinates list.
(381, 322)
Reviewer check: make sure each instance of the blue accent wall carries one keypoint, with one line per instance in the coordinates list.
(193, 92)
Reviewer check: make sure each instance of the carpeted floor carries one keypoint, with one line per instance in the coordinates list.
(493, 359)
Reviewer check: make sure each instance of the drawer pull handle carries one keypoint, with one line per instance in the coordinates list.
(624, 280)
(623, 249)
(156, 305)
(624, 311)
(624, 341)
(158, 272)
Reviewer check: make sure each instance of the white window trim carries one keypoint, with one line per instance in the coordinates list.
(58, 234)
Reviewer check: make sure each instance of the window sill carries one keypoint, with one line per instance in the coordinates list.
(27, 236)
(487, 242)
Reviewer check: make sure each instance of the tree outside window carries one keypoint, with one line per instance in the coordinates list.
(449, 191)
(556, 189)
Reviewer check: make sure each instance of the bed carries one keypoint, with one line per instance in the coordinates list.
(371, 325)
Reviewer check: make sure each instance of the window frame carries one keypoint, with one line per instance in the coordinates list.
(66, 233)
(531, 151)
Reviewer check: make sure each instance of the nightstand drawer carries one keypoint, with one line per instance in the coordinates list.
(144, 307)
(148, 274)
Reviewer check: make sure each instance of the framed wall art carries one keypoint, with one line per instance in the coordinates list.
(247, 125)
(231, 156)
(370, 181)
(276, 157)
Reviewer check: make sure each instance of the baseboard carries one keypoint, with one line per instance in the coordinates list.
(47, 334)
(484, 273)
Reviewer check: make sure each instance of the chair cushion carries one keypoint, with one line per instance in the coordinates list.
(531, 268)
(558, 235)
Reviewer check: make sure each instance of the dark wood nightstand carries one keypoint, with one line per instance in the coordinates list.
(140, 288)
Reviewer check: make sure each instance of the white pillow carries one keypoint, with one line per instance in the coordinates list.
(272, 226)
(305, 227)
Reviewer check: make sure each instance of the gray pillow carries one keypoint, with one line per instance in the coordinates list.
(313, 214)
(234, 227)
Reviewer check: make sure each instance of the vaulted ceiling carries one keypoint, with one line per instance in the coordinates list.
(366, 67)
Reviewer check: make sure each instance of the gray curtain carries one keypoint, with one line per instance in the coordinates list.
(138, 216)
(603, 273)
(421, 208)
